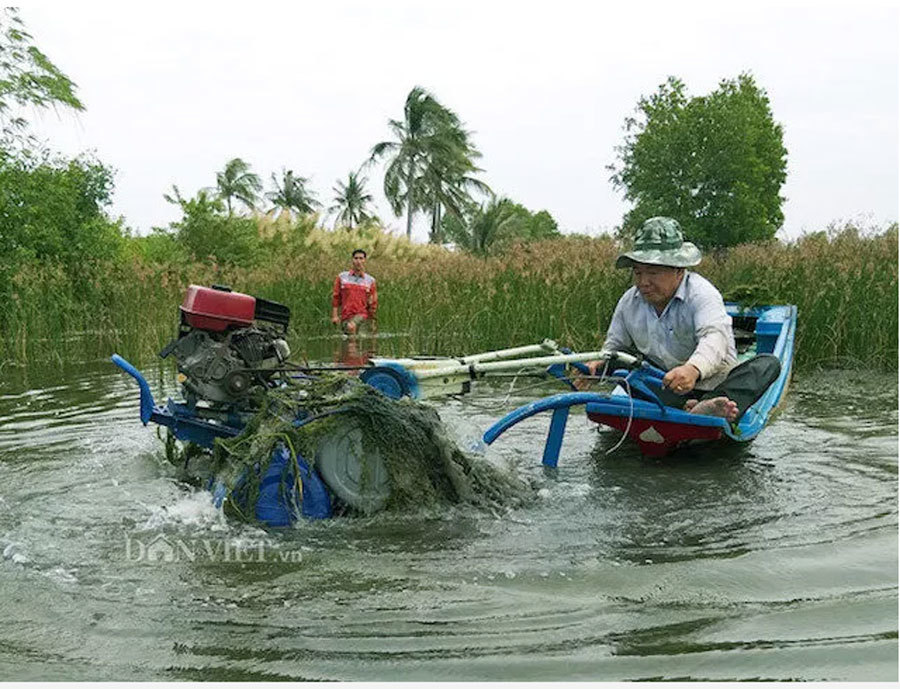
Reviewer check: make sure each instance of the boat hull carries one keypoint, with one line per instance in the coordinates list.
(657, 431)
(657, 438)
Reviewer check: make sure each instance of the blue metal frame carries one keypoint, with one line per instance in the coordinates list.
(147, 403)
(277, 504)
(560, 405)
(775, 330)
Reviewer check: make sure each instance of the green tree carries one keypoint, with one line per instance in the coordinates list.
(715, 163)
(482, 227)
(237, 182)
(209, 234)
(52, 210)
(27, 79)
(429, 161)
(291, 194)
(447, 182)
(351, 201)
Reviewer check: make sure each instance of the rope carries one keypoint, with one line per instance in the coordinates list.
(630, 418)
(493, 406)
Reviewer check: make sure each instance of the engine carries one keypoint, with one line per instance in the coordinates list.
(229, 345)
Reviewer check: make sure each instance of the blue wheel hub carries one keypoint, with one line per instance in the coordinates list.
(388, 382)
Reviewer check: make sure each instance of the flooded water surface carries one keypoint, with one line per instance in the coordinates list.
(772, 561)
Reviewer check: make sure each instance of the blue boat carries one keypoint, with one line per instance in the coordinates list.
(635, 408)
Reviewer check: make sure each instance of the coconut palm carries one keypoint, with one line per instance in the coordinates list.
(291, 194)
(480, 226)
(237, 182)
(426, 141)
(351, 200)
(448, 184)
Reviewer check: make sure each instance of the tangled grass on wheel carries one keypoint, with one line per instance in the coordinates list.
(426, 467)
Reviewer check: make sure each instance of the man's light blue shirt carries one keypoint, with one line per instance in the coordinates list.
(694, 328)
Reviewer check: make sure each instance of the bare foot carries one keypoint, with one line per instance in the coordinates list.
(717, 406)
(690, 404)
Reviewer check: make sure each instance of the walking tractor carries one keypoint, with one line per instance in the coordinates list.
(233, 360)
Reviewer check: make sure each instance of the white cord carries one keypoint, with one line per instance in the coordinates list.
(511, 385)
(630, 417)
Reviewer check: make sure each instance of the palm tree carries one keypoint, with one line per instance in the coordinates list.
(447, 182)
(291, 194)
(350, 201)
(482, 225)
(237, 182)
(427, 132)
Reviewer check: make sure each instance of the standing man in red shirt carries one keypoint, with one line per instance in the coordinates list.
(354, 298)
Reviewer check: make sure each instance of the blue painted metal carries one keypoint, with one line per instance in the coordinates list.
(386, 381)
(775, 331)
(758, 415)
(277, 504)
(559, 370)
(622, 405)
(562, 400)
(652, 372)
(649, 375)
(188, 427)
(392, 380)
(555, 436)
(147, 403)
(640, 381)
(184, 421)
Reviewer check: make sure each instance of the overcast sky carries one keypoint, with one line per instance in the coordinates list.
(173, 91)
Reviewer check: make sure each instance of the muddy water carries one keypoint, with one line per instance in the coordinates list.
(773, 561)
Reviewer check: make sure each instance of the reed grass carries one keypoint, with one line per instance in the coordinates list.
(440, 302)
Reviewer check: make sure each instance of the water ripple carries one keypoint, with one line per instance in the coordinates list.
(774, 561)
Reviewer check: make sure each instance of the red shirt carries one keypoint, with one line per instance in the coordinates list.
(355, 294)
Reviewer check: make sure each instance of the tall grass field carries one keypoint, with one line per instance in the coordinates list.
(436, 301)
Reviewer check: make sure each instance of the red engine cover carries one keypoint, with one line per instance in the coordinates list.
(212, 309)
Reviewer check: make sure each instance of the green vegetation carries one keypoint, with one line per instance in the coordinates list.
(442, 302)
(426, 468)
(237, 182)
(351, 201)
(207, 233)
(496, 224)
(290, 194)
(715, 163)
(430, 164)
(74, 283)
(29, 79)
(52, 221)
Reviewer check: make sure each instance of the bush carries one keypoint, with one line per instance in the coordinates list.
(210, 235)
(52, 210)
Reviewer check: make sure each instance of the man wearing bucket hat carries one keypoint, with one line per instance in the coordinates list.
(676, 319)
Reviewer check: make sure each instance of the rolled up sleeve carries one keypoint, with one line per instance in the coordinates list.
(712, 328)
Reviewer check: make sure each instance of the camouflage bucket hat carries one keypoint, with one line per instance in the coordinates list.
(659, 242)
